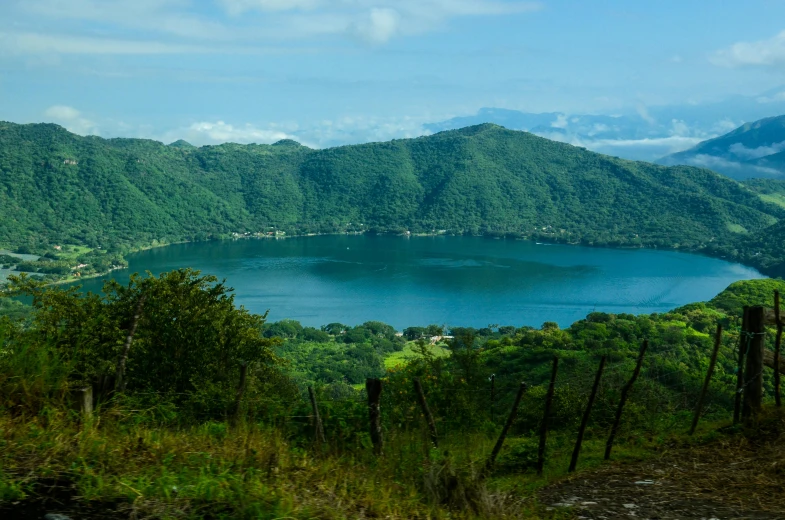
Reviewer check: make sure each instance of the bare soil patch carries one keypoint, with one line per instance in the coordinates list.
(734, 478)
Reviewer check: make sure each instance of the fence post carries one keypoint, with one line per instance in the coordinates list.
(586, 414)
(740, 366)
(240, 391)
(712, 363)
(545, 416)
(497, 448)
(753, 372)
(318, 433)
(623, 399)
(777, 349)
(426, 411)
(82, 400)
(493, 397)
(374, 389)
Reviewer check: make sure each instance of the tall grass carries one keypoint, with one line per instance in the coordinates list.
(251, 471)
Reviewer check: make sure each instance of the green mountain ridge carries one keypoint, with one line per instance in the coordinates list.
(57, 187)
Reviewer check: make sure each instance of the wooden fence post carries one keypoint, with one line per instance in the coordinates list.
(493, 397)
(318, 432)
(586, 414)
(82, 400)
(740, 366)
(712, 363)
(497, 448)
(119, 382)
(623, 399)
(777, 349)
(239, 397)
(426, 412)
(545, 416)
(374, 389)
(753, 372)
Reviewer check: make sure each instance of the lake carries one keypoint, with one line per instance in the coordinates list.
(471, 281)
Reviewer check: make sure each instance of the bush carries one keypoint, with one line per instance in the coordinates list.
(519, 454)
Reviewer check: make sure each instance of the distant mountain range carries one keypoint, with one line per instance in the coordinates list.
(647, 134)
(753, 150)
(57, 187)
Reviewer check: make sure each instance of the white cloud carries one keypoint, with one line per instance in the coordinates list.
(36, 43)
(561, 121)
(71, 119)
(679, 128)
(169, 17)
(746, 154)
(599, 128)
(434, 7)
(775, 98)
(378, 26)
(370, 21)
(719, 164)
(205, 132)
(236, 7)
(769, 52)
(724, 126)
(320, 134)
(644, 113)
(648, 149)
(675, 143)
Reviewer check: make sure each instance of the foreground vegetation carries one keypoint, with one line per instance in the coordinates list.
(170, 437)
(114, 196)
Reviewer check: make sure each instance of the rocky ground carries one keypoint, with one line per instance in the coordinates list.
(730, 479)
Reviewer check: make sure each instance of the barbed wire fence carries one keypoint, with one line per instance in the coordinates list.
(493, 395)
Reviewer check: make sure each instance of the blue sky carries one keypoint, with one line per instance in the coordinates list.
(340, 71)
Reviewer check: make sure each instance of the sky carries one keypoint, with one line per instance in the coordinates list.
(329, 72)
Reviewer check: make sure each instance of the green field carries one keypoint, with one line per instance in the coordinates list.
(410, 352)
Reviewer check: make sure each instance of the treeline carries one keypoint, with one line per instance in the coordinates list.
(118, 194)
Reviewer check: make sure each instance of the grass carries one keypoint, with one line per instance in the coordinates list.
(735, 228)
(774, 198)
(248, 472)
(255, 471)
(74, 252)
(409, 352)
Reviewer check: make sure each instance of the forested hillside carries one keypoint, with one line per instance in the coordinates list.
(118, 194)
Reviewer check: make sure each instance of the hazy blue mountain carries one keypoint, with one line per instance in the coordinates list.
(646, 134)
(753, 150)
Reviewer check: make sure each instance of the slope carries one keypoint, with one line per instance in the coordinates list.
(748, 151)
(57, 187)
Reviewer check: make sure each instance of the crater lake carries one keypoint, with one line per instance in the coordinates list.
(458, 281)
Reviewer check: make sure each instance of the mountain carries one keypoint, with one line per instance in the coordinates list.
(57, 187)
(753, 150)
(617, 134)
(647, 133)
(180, 143)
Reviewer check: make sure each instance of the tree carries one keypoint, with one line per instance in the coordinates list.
(190, 342)
(413, 333)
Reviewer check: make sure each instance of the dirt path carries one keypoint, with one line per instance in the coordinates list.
(724, 481)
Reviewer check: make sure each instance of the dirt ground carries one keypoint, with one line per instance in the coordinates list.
(729, 479)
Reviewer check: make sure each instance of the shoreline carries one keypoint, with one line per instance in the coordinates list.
(506, 236)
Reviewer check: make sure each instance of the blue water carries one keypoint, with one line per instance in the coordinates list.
(470, 281)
